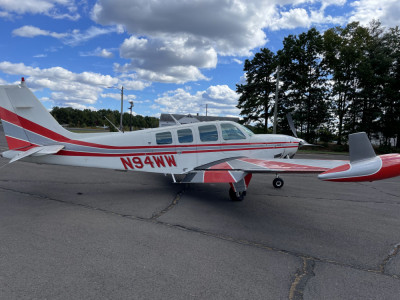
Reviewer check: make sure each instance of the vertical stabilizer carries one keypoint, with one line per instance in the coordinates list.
(25, 120)
(360, 147)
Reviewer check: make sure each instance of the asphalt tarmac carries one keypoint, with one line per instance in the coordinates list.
(80, 233)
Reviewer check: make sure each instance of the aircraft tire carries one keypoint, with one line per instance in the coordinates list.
(235, 197)
(278, 183)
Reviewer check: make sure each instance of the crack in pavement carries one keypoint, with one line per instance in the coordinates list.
(169, 207)
(330, 199)
(223, 237)
(301, 278)
(393, 252)
(57, 182)
(379, 190)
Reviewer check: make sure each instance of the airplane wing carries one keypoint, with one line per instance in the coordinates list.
(31, 151)
(234, 170)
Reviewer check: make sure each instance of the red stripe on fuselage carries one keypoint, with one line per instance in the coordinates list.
(40, 130)
(14, 143)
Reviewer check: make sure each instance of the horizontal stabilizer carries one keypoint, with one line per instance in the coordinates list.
(37, 151)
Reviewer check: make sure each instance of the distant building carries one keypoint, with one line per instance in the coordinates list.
(167, 120)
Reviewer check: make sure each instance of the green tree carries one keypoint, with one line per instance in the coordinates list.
(344, 49)
(255, 101)
(304, 82)
(390, 113)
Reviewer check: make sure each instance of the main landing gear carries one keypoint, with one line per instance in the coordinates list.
(278, 183)
(237, 192)
(236, 196)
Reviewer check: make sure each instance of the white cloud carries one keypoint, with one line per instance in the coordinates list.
(78, 37)
(176, 60)
(98, 52)
(32, 31)
(231, 27)
(66, 87)
(57, 9)
(80, 106)
(172, 41)
(220, 99)
(117, 96)
(301, 17)
(387, 12)
(293, 18)
(73, 38)
(40, 55)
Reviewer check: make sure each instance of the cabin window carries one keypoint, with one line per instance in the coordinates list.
(231, 132)
(185, 136)
(163, 138)
(208, 133)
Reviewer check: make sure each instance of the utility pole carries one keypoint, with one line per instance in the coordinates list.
(122, 107)
(276, 100)
(206, 109)
(122, 104)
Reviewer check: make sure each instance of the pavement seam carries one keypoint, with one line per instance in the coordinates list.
(379, 190)
(174, 202)
(58, 182)
(213, 235)
(392, 253)
(301, 279)
(334, 199)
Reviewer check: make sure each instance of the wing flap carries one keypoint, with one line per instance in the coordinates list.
(252, 165)
(213, 176)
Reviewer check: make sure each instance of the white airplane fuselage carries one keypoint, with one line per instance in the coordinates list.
(146, 151)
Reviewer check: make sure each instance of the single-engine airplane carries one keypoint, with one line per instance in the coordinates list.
(205, 152)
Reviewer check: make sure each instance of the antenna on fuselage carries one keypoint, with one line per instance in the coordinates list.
(176, 121)
(112, 124)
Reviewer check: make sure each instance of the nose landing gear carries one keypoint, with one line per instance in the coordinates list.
(278, 183)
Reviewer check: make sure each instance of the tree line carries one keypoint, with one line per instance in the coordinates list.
(89, 118)
(339, 82)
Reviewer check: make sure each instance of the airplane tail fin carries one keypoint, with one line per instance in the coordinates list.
(26, 121)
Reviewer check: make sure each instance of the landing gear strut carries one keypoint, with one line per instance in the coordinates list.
(238, 188)
(277, 183)
(236, 196)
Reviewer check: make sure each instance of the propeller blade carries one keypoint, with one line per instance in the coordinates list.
(291, 124)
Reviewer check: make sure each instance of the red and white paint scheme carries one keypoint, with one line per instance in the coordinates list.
(205, 152)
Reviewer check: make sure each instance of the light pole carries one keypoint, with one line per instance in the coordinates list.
(122, 107)
(130, 118)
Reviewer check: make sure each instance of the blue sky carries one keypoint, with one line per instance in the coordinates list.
(171, 56)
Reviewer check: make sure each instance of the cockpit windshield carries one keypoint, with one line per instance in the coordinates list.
(247, 130)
